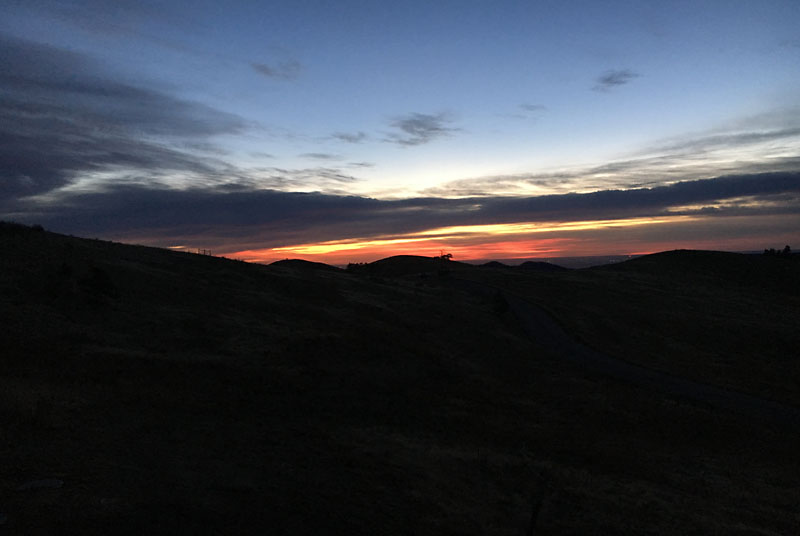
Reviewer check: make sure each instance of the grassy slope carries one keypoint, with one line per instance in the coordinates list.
(180, 393)
(721, 318)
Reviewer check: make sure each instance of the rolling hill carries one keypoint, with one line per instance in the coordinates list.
(149, 391)
(720, 318)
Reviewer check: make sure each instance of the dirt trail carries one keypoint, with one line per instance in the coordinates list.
(545, 331)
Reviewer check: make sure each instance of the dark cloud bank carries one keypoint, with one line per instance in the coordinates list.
(246, 219)
(61, 116)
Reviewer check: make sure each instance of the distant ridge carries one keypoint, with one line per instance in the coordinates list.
(409, 264)
(300, 264)
(567, 262)
(733, 269)
(494, 264)
(541, 266)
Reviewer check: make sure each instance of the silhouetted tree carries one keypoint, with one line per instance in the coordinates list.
(785, 252)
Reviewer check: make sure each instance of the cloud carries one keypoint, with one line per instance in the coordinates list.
(526, 111)
(320, 156)
(90, 122)
(320, 179)
(239, 218)
(350, 137)
(614, 78)
(765, 143)
(418, 129)
(537, 108)
(625, 174)
(286, 70)
(639, 202)
(732, 139)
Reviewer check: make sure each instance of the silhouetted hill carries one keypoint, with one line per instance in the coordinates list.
(494, 264)
(299, 264)
(716, 317)
(146, 391)
(717, 268)
(540, 266)
(400, 265)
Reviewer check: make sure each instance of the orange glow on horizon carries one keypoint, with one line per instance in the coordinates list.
(547, 247)
(343, 245)
(466, 242)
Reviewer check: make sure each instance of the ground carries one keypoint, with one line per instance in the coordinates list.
(163, 392)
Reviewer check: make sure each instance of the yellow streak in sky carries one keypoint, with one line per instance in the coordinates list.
(545, 227)
(464, 231)
(343, 245)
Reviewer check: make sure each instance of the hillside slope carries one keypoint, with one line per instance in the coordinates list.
(726, 319)
(148, 391)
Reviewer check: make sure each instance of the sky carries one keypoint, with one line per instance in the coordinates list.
(350, 131)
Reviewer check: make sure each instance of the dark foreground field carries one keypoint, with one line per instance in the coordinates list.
(149, 392)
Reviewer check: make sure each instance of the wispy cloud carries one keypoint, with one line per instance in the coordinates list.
(614, 78)
(418, 129)
(320, 156)
(731, 139)
(91, 122)
(526, 111)
(350, 137)
(766, 143)
(533, 108)
(286, 70)
(328, 179)
(651, 171)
